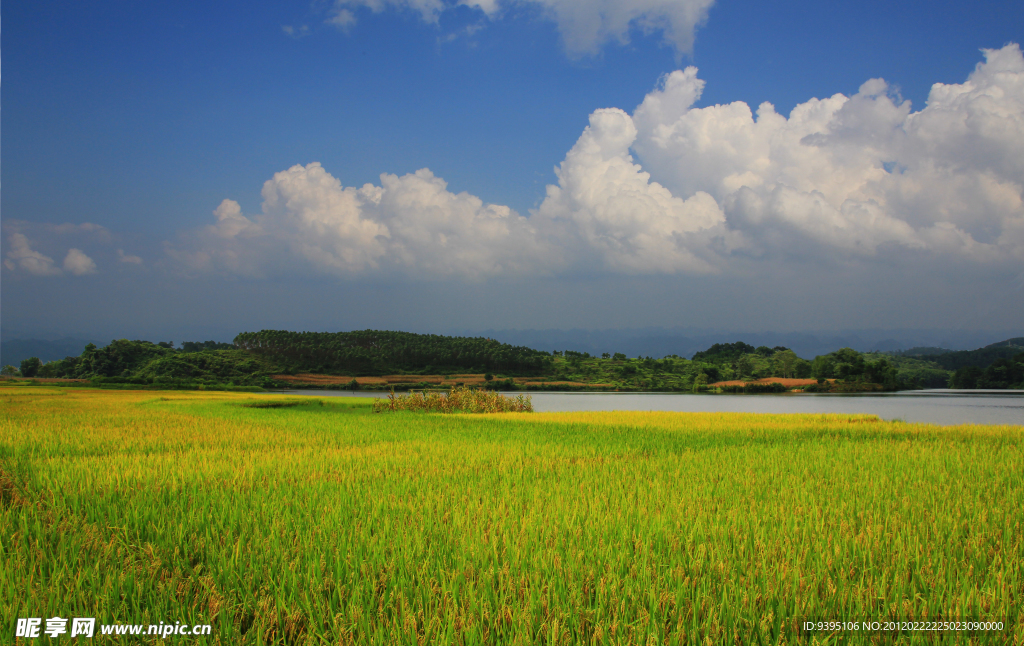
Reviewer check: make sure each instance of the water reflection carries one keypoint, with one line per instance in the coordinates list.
(944, 407)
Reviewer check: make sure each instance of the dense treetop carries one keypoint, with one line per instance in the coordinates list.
(980, 358)
(371, 352)
(731, 352)
(722, 352)
(1001, 373)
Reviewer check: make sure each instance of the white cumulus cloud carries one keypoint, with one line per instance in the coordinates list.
(677, 189)
(22, 257)
(854, 173)
(78, 263)
(609, 205)
(585, 25)
(30, 255)
(230, 221)
(411, 224)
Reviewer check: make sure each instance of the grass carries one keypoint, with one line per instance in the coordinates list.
(322, 523)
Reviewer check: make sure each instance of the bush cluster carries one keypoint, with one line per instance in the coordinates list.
(459, 400)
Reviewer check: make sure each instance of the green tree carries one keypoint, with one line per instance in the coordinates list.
(785, 361)
(966, 378)
(30, 366)
(9, 371)
(823, 367)
(50, 369)
(744, 366)
(803, 369)
(700, 381)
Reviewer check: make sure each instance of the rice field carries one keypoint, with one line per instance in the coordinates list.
(319, 522)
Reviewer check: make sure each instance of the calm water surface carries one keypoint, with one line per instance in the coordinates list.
(932, 406)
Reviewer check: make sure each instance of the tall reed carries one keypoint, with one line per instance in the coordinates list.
(459, 400)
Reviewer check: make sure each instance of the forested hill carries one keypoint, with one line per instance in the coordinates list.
(731, 352)
(369, 352)
(980, 358)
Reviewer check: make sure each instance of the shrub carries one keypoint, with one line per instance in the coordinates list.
(459, 400)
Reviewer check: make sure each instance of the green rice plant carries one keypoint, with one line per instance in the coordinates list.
(459, 400)
(327, 524)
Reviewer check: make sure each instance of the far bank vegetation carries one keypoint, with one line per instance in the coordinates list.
(376, 360)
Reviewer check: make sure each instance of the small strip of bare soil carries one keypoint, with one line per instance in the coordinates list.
(343, 380)
(310, 379)
(789, 383)
(47, 380)
(562, 383)
(325, 380)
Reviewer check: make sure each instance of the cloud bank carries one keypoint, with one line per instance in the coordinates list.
(25, 239)
(584, 26)
(676, 189)
(21, 257)
(852, 175)
(410, 225)
(670, 189)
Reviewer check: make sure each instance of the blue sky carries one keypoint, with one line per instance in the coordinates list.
(128, 124)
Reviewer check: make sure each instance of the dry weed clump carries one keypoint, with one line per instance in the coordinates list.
(459, 400)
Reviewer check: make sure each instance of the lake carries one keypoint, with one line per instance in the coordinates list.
(943, 407)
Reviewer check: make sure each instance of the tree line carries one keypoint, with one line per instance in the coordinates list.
(1001, 374)
(144, 363)
(255, 357)
(375, 352)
